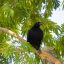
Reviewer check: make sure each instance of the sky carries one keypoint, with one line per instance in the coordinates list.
(58, 15)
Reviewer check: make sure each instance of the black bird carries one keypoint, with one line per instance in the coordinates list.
(35, 36)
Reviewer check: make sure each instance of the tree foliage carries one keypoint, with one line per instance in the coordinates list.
(19, 16)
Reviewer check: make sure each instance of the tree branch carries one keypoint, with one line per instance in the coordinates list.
(43, 54)
(12, 33)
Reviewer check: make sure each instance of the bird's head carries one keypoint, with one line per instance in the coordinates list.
(37, 24)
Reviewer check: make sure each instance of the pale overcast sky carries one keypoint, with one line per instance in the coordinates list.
(58, 15)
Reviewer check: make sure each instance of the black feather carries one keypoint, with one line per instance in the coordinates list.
(35, 35)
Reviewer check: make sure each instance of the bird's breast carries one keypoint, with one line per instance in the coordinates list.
(36, 34)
